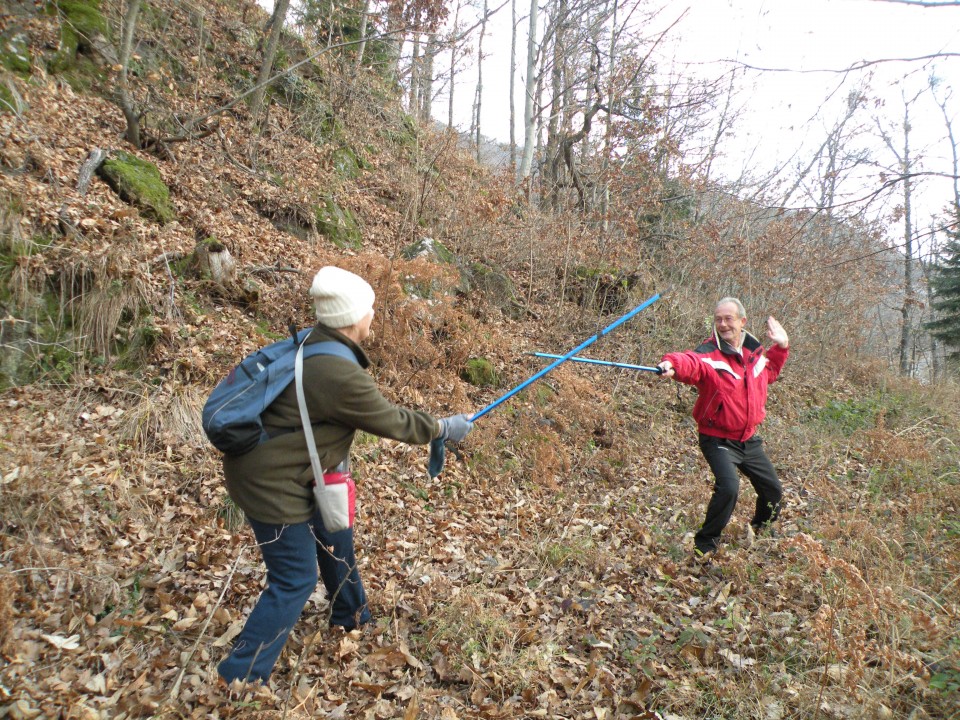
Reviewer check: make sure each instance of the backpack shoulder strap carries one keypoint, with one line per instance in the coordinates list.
(329, 347)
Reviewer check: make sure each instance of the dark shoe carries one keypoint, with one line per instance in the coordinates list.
(703, 557)
(704, 563)
(766, 530)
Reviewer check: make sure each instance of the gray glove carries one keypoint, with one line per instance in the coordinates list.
(455, 427)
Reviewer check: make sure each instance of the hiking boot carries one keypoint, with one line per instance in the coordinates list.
(703, 557)
(764, 531)
(704, 563)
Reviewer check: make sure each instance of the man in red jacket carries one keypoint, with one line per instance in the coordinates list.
(731, 372)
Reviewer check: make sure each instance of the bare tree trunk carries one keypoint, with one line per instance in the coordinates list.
(130, 112)
(552, 174)
(426, 79)
(277, 22)
(334, 28)
(361, 48)
(538, 130)
(608, 130)
(513, 79)
(394, 41)
(478, 97)
(453, 65)
(529, 138)
(906, 329)
(415, 69)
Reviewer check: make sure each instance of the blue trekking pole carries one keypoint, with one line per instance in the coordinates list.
(625, 366)
(563, 358)
(437, 448)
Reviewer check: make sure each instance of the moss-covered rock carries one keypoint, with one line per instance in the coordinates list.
(480, 372)
(83, 22)
(139, 183)
(84, 18)
(338, 224)
(85, 75)
(346, 163)
(427, 247)
(606, 289)
(496, 286)
(15, 52)
(64, 57)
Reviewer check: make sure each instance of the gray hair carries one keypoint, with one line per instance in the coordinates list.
(723, 301)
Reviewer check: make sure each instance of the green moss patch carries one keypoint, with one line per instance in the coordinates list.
(480, 372)
(85, 18)
(139, 183)
(346, 163)
(429, 248)
(10, 100)
(82, 21)
(338, 224)
(15, 52)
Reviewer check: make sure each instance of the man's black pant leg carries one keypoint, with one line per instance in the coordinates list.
(722, 457)
(762, 475)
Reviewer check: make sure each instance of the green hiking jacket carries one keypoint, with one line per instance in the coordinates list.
(273, 482)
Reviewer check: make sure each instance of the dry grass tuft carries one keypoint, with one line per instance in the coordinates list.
(8, 592)
(473, 636)
(165, 417)
(100, 301)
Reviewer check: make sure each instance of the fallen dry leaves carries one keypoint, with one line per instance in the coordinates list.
(544, 574)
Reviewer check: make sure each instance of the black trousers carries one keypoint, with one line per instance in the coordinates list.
(725, 458)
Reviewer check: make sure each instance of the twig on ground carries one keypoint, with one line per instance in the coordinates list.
(175, 691)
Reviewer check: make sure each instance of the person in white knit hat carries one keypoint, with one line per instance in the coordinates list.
(340, 297)
(272, 484)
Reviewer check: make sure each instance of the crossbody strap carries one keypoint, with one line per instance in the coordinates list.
(305, 419)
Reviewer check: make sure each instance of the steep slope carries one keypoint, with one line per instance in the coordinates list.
(546, 573)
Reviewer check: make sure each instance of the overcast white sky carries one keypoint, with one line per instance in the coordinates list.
(784, 109)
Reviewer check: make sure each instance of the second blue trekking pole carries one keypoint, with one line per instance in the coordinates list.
(438, 450)
(563, 358)
(605, 363)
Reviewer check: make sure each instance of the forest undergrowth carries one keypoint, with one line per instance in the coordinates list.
(548, 571)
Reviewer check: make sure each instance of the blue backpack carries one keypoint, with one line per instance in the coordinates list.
(231, 415)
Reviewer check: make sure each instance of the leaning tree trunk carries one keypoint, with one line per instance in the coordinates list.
(361, 48)
(269, 55)
(130, 112)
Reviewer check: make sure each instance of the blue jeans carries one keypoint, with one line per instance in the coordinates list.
(725, 458)
(292, 554)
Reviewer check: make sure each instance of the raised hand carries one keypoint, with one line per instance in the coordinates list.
(776, 333)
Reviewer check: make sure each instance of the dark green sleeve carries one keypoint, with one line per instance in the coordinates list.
(356, 402)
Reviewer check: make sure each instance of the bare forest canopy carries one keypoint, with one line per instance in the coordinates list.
(171, 176)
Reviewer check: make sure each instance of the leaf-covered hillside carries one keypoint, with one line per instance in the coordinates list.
(547, 572)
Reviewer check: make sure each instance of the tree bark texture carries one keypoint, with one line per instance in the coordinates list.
(277, 22)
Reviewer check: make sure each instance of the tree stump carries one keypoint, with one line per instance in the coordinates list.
(212, 259)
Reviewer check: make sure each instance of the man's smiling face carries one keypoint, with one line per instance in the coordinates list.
(729, 324)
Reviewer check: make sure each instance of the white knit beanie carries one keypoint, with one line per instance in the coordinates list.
(340, 297)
